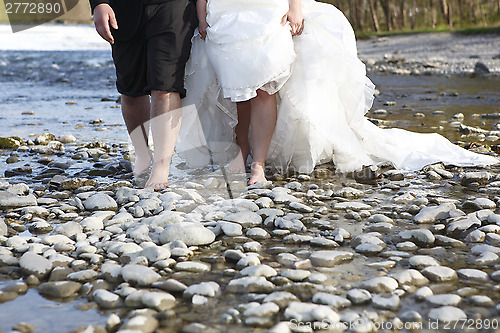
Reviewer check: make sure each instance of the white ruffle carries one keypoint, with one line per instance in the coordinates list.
(323, 96)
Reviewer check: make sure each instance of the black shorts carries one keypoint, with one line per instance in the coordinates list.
(155, 57)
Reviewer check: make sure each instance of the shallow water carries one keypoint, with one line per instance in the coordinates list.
(45, 314)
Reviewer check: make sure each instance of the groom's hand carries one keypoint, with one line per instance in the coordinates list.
(104, 17)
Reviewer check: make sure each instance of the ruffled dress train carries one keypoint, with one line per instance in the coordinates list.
(322, 89)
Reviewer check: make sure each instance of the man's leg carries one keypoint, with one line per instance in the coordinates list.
(166, 115)
(136, 114)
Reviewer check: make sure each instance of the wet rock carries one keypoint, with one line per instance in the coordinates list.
(259, 270)
(439, 273)
(144, 323)
(44, 139)
(100, 202)
(300, 207)
(335, 301)
(481, 300)
(281, 298)
(422, 293)
(421, 237)
(480, 177)
(386, 302)
(461, 224)
(432, 214)
(481, 69)
(9, 200)
(309, 312)
(3, 227)
(66, 138)
(189, 233)
(410, 277)
(359, 296)
(473, 275)
(422, 261)
(247, 219)
(231, 229)
(139, 275)
(352, 205)
(381, 284)
(268, 309)
(68, 229)
(485, 203)
(34, 264)
(60, 289)
(329, 258)
(83, 276)
(11, 143)
(192, 266)
(159, 301)
(207, 289)
(251, 284)
(444, 300)
(106, 299)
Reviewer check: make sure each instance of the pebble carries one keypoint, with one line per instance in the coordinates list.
(439, 273)
(59, 289)
(359, 296)
(189, 233)
(421, 237)
(329, 258)
(447, 314)
(34, 264)
(433, 214)
(106, 299)
(139, 275)
(473, 275)
(387, 303)
(250, 284)
(309, 312)
(444, 300)
(159, 301)
(259, 270)
(410, 277)
(422, 261)
(100, 202)
(335, 301)
(381, 284)
(246, 219)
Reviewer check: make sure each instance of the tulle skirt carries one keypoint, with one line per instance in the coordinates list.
(322, 90)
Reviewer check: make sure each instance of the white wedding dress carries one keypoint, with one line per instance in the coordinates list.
(323, 93)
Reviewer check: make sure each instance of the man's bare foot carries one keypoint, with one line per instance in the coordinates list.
(238, 164)
(141, 165)
(257, 173)
(158, 179)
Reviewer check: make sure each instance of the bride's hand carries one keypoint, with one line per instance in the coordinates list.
(294, 16)
(202, 28)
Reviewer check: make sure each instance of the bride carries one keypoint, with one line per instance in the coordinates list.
(286, 74)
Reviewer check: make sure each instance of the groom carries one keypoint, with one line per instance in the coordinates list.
(150, 42)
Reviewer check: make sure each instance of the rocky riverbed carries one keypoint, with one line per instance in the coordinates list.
(367, 252)
(296, 253)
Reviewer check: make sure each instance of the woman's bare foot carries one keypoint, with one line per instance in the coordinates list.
(238, 164)
(257, 173)
(158, 179)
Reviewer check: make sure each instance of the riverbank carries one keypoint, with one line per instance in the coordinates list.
(433, 54)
